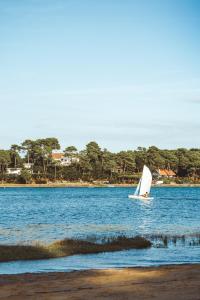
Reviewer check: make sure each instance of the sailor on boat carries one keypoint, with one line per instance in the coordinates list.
(145, 195)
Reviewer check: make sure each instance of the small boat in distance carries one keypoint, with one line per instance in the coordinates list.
(143, 188)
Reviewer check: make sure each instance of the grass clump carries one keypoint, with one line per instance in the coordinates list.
(69, 247)
(22, 252)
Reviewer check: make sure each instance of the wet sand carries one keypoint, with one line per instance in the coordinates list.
(163, 283)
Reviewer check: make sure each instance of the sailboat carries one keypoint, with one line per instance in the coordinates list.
(143, 188)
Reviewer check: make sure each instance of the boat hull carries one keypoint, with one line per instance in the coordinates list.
(139, 197)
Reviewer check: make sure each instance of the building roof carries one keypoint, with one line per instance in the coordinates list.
(57, 155)
(171, 173)
(165, 172)
(162, 172)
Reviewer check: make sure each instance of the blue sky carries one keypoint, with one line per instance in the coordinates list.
(123, 73)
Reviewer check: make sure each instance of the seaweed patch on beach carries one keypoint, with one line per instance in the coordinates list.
(69, 247)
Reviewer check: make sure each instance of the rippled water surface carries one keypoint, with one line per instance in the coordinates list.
(48, 214)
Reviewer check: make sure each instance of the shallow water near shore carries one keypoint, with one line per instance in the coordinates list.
(48, 214)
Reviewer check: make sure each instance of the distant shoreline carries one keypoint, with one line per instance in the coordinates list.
(89, 185)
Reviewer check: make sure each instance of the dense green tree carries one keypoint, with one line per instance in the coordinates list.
(70, 151)
(27, 146)
(93, 163)
(39, 152)
(171, 159)
(94, 156)
(71, 173)
(193, 168)
(25, 176)
(15, 155)
(93, 152)
(109, 164)
(140, 158)
(85, 165)
(183, 161)
(5, 160)
(154, 158)
(126, 161)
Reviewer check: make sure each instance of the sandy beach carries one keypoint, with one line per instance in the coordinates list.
(163, 283)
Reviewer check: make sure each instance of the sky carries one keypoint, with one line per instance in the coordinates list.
(125, 73)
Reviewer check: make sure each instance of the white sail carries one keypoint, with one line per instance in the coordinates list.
(138, 188)
(145, 181)
(143, 188)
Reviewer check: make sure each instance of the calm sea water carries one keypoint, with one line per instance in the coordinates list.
(47, 214)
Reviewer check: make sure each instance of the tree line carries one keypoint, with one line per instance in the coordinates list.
(94, 163)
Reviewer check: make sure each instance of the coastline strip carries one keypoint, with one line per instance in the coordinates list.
(175, 282)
